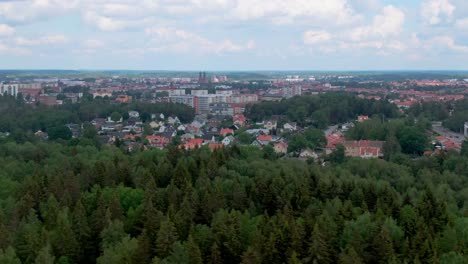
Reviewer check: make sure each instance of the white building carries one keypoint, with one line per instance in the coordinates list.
(9, 89)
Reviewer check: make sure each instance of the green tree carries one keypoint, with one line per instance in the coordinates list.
(60, 132)
(412, 140)
(121, 252)
(8, 256)
(45, 256)
(115, 116)
(166, 237)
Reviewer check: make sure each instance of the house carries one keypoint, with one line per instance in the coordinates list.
(181, 128)
(157, 141)
(362, 118)
(258, 131)
(209, 138)
(291, 126)
(447, 144)
(130, 137)
(157, 116)
(308, 153)
(192, 144)
(173, 120)
(228, 140)
(333, 140)
(226, 131)
(281, 147)
(133, 114)
(187, 137)
(262, 140)
(154, 124)
(214, 146)
(42, 134)
(364, 148)
(239, 120)
(270, 125)
(109, 120)
(198, 124)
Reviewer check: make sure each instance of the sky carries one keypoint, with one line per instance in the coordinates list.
(234, 34)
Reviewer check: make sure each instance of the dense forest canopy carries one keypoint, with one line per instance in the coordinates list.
(80, 204)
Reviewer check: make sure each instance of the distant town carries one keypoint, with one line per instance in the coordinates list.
(220, 107)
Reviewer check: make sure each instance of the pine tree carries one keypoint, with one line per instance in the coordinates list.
(82, 231)
(49, 212)
(383, 246)
(166, 237)
(143, 253)
(193, 251)
(45, 256)
(215, 257)
(8, 256)
(295, 260)
(115, 207)
(28, 239)
(350, 256)
(319, 249)
(63, 240)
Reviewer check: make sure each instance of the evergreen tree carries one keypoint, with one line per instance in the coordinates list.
(45, 256)
(63, 238)
(8, 256)
(165, 238)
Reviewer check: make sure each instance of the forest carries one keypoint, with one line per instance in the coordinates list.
(82, 204)
(68, 203)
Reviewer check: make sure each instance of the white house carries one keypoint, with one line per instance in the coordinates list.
(173, 120)
(228, 140)
(292, 126)
(133, 114)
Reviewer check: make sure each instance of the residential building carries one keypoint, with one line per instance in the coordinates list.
(364, 148)
(9, 89)
(281, 147)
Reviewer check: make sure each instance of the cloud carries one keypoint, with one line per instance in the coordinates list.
(389, 23)
(462, 23)
(435, 11)
(450, 43)
(46, 40)
(9, 50)
(177, 40)
(6, 30)
(30, 10)
(313, 37)
(380, 35)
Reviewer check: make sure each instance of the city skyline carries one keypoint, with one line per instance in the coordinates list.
(234, 35)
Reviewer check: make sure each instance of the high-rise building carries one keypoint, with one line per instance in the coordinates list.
(9, 89)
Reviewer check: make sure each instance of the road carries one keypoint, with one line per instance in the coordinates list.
(456, 137)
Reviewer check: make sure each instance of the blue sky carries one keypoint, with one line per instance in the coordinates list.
(234, 34)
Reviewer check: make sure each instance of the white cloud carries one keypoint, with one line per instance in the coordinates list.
(435, 11)
(6, 30)
(177, 40)
(380, 35)
(8, 50)
(462, 23)
(46, 40)
(450, 43)
(389, 23)
(29, 10)
(314, 37)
